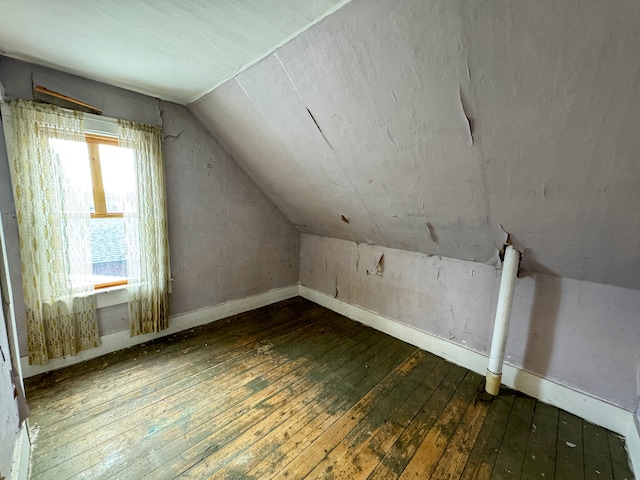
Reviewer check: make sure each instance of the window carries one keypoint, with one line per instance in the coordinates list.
(91, 212)
(105, 171)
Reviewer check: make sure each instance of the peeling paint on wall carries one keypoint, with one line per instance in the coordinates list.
(471, 114)
(556, 323)
(466, 116)
(432, 233)
(379, 270)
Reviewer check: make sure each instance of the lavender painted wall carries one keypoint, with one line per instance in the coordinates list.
(227, 239)
(582, 334)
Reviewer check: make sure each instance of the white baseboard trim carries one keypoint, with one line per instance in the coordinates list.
(119, 340)
(633, 445)
(594, 410)
(21, 455)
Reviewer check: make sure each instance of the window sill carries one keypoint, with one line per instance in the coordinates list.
(108, 297)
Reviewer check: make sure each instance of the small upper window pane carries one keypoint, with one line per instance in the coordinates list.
(76, 172)
(118, 176)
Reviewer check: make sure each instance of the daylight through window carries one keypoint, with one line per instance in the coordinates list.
(103, 173)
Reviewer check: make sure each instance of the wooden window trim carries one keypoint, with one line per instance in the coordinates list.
(116, 283)
(93, 138)
(107, 215)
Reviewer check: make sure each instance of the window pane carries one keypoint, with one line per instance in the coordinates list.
(74, 159)
(117, 175)
(108, 249)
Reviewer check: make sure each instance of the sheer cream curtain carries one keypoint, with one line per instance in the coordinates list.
(146, 230)
(53, 222)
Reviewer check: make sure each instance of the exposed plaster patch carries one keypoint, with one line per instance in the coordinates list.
(319, 129)
(379, 267)
(509, 239)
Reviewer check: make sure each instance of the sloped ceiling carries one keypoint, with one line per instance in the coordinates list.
(437, 126)
(169, 49)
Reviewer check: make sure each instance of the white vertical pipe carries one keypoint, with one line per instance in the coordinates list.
(503, 315)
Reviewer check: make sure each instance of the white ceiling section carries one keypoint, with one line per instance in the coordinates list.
(169, 49)
(434, 125)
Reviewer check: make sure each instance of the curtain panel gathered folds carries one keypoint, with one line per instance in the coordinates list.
(55, 239)
(54, 234)
(146, 231)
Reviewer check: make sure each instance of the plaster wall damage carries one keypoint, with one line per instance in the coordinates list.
(570, 331)
(432, 126)
(226, 239)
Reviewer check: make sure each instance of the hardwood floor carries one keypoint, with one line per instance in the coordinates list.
(296, 391)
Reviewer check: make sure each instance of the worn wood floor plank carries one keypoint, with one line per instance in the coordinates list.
(163, 444)
(119, 363)
(452, 462)
(619, 458)
(430, 450)
(147, 400)
(296, 391)
(510, 459)
(569, 448)
(358, 436)
(397, 458)
(363, 460)
(359, 383)
(397, 366)
(540, 457)
(103, 391)
(597, 463)
(483, 455)
(198, 383)
(192, 464)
